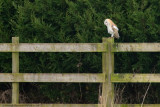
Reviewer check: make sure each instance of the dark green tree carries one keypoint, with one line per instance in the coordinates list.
(79, 21)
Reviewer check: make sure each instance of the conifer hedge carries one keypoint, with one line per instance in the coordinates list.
(80, 21)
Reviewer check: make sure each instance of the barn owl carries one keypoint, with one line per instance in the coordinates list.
(112, 28)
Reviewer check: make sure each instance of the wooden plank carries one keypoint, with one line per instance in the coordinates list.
(136, 47)
(79, 47)
(15, 69)
(5, 47)
(61, 47)
(76, 105)
(136, 105)
(135, 78)
(48, 105)
(108, 69)
(53, 47)
(52, 77)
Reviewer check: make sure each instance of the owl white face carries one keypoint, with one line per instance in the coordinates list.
(106, 22)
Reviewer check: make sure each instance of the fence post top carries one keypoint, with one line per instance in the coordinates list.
(108, 39)
(15, 39)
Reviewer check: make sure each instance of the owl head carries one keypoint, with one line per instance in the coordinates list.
(106, 22)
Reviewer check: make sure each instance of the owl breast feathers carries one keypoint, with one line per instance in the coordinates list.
(112, 28)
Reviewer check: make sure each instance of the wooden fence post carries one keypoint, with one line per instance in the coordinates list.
(15, 69)
(108, 69)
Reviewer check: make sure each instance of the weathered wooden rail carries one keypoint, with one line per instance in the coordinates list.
(107, 77)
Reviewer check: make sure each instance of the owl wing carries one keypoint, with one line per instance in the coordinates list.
(115, 27)
(115, 30)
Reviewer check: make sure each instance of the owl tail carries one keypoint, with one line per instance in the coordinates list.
(116, 35)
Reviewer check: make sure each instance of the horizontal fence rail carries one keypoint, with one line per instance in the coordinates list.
(79, 47)
(136, 105)
(136, 47)
(77, 105)
(52, 77)
(135, 78)
(49, 105)
(52, 47)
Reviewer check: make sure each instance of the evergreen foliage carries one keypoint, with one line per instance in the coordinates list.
(80, 21)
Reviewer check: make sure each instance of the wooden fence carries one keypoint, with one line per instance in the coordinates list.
(107, 77)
